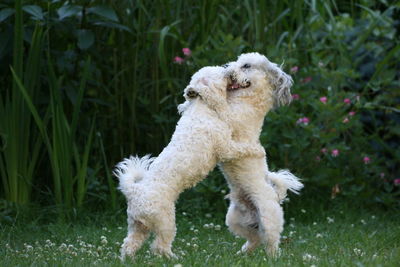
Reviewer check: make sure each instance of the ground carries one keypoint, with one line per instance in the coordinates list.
(329, 238)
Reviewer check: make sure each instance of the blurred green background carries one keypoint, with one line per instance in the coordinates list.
(85, 83)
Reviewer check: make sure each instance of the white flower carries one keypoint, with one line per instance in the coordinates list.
(217, 227)
(363, 222)
(308, 257)
(208, 215)
(358, 252)
(314, 223)
(178, 265)
(373, 217)
(318, 235)
(184, 213)
(303, 210)
(330, 220)
(206, 226)
(223, 191)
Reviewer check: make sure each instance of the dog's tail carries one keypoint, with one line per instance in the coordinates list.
(130, 171)
(284, 180)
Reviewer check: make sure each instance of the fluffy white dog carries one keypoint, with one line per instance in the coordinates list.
(256, 86)
(201, 139)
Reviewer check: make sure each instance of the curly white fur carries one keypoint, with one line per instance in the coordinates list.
(201, 139)
(254, 212)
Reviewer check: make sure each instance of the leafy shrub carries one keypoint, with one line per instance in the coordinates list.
(334, 50)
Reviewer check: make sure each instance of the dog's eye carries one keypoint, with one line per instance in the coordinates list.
(246, 66)
(225, 66)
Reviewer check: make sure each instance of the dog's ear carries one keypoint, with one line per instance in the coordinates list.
(282, 82)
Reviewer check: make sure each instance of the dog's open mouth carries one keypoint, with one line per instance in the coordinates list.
(234, 85)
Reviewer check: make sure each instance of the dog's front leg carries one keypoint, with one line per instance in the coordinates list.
(235, 150)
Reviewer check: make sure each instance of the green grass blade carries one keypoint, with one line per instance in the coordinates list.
(77, 106)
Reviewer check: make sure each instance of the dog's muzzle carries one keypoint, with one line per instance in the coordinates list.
(233, 85)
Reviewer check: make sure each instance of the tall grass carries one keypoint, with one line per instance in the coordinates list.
(21, 145)
(69, 164)
(133, 86)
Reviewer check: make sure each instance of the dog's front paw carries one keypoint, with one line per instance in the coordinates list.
(190, 92)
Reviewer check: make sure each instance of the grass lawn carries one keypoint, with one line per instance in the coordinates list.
(346, 238)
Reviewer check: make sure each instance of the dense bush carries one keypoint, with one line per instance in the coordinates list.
(95, 81)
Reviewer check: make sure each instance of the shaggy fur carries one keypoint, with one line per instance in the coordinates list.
(257, 85)
(201, 139)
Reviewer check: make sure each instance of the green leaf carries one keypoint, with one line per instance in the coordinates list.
(113, 25)
(105, 12)
(5, 13)
(85, 39)
(68, 11)
(35, 11)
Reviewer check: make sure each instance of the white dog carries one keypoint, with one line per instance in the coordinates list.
(201, 139)
(256, 86)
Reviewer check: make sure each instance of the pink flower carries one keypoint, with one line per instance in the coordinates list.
(186, 51)
(178, 60)
(303, 121)
(307, 79)
(352, 113)
(335, 152)
(296, 96)
(347, 101)
(324, 150)
(294, 69)
(317, 158)
(396, 181)
(323, 99)
(366, 160)
(382, 175)
(346, 120)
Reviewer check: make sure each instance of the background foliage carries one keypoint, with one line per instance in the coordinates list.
(86, 83)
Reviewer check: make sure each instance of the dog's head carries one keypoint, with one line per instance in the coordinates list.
(214, 78)
(253, 72)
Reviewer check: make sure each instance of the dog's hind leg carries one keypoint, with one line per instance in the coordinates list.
(269, 213)
(165, 231)
(137, 234)
(240, 227)
(271, 222)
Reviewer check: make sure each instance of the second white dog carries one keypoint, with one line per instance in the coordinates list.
(255, 213)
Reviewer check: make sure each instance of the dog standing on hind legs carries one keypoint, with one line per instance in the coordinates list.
(256, 86)
(201, 139)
